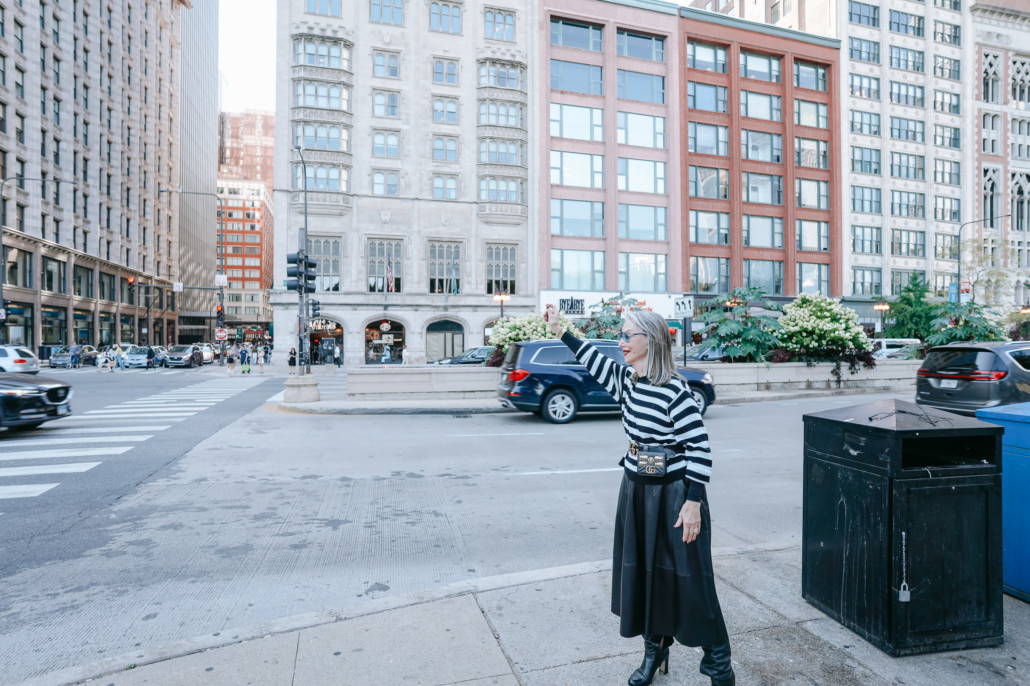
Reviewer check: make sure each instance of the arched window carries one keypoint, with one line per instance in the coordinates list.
(309, 135)
(392, 145)
(322, 137)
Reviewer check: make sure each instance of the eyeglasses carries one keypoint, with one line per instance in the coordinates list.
(624, 337)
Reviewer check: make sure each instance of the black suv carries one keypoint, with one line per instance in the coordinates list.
(544, 377)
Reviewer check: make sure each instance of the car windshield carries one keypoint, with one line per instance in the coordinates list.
(62, 349)
(957, 361)
(138, 350)
(180, 349)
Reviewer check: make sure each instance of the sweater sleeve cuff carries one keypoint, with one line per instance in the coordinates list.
(695, 491)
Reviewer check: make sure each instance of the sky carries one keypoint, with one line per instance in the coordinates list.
(246, 54)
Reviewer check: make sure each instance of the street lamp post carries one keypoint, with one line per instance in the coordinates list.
(219, 265)
(502, 298)
(3, 220)
(962, 226)
(882, 306)
(303, 343)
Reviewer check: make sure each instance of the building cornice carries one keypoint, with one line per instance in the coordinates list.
(1000, 13)
(757, 27)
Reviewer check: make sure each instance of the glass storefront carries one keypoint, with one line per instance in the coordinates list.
(18, 327)
(106, 328)
(127, 334)
(83, 332)
(384, 341)
(325, 335)
(55, 325)
(445, 338)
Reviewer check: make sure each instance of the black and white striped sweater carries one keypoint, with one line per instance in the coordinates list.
(653, 415)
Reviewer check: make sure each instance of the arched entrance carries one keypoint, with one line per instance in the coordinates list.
(324, 334)
(445, 338)
(384, 341)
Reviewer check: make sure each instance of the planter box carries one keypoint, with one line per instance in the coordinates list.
(422, 383)
(795, 376)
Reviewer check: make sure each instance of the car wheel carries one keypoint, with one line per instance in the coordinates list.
(190, 365)
(560, 407)
(700, 398)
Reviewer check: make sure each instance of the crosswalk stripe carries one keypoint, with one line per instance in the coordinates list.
(50, 429)
(73, 468)
(29, 491)
(77, 439)
(92, 420)
(65, 452)
(144, 413)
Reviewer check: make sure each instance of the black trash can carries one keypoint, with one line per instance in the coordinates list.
(901, 537)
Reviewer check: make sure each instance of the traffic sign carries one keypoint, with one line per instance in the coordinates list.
(221, 280)
(683, 307)
(177, 287)
(221, 334)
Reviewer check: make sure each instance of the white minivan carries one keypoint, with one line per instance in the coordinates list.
(882, 347)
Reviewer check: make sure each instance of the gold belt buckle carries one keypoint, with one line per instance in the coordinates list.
(634, 449)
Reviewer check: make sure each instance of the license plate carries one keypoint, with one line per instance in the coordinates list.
(949, 383)
(63, 409)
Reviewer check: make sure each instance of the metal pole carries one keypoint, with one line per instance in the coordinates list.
(302, 295)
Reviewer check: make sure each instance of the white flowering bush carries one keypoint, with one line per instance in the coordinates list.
(527, 328)
(815, 326)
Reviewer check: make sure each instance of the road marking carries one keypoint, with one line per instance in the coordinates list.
(161, 406)
(77, 420)
(74, 468)
(30, 491)
(569, 471)
(65, 452)
(72, 441)
(528, 433)
(277, 398)
(730, 450)
(144, 413)
(94, 430)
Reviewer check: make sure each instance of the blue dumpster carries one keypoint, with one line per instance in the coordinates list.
(1015, 484)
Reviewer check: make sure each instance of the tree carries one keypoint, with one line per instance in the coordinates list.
(965, 322)
(606, 317)
(912, 315)
(991, 270)
(743, 334)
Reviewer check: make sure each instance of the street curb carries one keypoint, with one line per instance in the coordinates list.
(117, 664)
(301, 409)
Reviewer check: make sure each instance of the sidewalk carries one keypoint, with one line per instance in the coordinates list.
(552, 628)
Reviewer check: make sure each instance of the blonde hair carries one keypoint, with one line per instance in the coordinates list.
(660, 366)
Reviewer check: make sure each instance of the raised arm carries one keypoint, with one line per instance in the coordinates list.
(606, 371)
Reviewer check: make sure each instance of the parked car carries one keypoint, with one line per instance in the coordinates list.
(702, 353)
(208, 351)
(184, 356)
(544, 377)
(18, 358)
(472, 356)
(137, 356)
(26, 403)
(63, 356)
(883, 347)
(965, 377)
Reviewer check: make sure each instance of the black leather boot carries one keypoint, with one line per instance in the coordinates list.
(656, 656)
(716, 664)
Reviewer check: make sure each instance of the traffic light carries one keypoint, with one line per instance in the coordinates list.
(315, 308)
(132, 284)
(301, 269)
(220, 316)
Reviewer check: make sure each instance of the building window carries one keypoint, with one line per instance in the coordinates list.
(909, 60)
(577, 169)
(815, 114)
(764, 274)
(1020, 83)
(908, 129)
(1020, 129)
(445, 72)
(943, 283)
(387, 12)
(502, 114)
(947, 136)
(991, 84)
(385, 144)
(642, 222)
(907, 94)
(502, 152)
(814, 278)
(642, 130)
(317, 53)
(386, 64)
(949, 34)
(908, 166)
(321, 178)
(946, 246)
(706, 57)
(581, 123)
(321, 137)
(761, 146)
(640, 45)
(641, 176)
(54, 275)
(865, 160)
(947, 209)
(576, 77)
(709, 182)
(905, 23)
(499, 25)
(866, 240)
(812, 235)
(385, 183)
(991, 197)
(760, 67)
(709, 275)
(496, 75)
(330, 8)
(326, 252)
(496, 189)
(990, 133)
(385, 267)
(812, 76)
(763, 188)
(949, 4)
(703, 96)
(908, 204)
(642, 272)
(445, 110)
(865, 122)
(445, 17)
(763, 232)
(864, 86)
(865, 281)
(444, 267)
(864, 50)
(761, 106)
(866, 199)
(709, 227)
(812, 193)
(385, 104)
(947, 102)
(863, 14)
(577, 218)
(571, 34)
(577, 270)
(500, 268)
(947, 172)
(901, 277)
(809, 152)
(445, 188)
(946, 68)
(708, 139)
(634, 85)
(445, 149)
(908, 243)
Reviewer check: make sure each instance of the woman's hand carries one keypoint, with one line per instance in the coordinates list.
(690, 520)
(553, 324)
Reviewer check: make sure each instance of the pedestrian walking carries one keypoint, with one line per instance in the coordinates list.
(337, 358)
(260, 354)
(268, 353)
(245, 360)
(404, 355)
(119, 358)
(150, 357)
(663, 585)
(230, 360)
(292, 360)
(75, 350)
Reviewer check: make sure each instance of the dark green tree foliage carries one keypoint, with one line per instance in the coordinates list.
(912, 314)
(606, 320)
(744, 336)
(964, 322)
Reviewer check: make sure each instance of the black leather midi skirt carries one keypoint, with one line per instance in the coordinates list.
(661, 585)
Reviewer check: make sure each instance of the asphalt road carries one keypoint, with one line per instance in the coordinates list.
(282, 513)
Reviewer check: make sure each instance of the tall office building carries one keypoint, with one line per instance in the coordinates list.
(248, 243)
(402, 130)
(89, 94)
(246, 146)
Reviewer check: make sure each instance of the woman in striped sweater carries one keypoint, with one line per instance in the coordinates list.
(663, 586)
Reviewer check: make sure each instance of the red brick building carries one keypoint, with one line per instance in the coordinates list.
(248, 253)
(246, 146)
